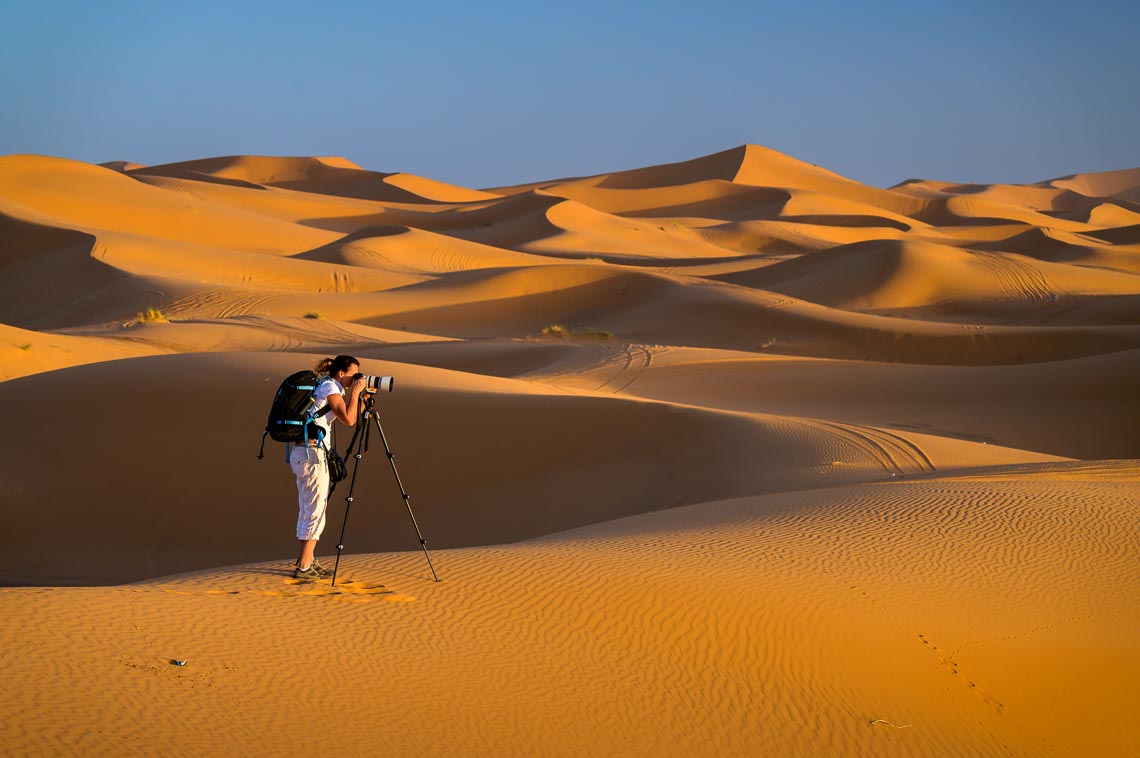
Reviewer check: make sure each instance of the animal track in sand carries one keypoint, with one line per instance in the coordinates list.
(949, 664)
(1017, 635)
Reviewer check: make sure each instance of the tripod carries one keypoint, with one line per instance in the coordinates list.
(359, 441)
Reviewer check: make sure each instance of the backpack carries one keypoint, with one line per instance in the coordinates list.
(291, 417)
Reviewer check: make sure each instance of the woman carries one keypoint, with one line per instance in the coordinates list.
(310, 463)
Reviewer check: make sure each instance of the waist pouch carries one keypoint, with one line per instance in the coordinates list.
(338, 471)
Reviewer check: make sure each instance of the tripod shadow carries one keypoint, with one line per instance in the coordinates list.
(347, 572)
(286, 569)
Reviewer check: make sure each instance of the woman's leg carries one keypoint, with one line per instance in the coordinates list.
(312, 474)
(308, 553)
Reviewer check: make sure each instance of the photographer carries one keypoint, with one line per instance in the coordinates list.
(310, 463)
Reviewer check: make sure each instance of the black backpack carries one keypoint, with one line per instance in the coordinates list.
(291, 417)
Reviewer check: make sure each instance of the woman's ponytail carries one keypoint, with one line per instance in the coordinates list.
(330, 366)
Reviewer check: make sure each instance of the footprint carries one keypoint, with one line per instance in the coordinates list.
(344, 590)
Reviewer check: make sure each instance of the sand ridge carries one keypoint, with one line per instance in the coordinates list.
(729, 456)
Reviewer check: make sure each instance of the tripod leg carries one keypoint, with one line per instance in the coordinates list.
(351, 486)
(404, 494)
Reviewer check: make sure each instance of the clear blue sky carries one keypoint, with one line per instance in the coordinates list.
(489, 93)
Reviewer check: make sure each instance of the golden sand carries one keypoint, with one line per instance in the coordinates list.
(734, 456)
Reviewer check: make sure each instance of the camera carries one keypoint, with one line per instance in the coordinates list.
(376, 383)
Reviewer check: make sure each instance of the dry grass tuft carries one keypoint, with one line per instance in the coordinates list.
(560, 331)
(151, 316)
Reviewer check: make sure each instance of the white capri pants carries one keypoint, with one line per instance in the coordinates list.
(312, 471)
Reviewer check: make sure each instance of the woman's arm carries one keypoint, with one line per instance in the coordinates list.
(346, 412)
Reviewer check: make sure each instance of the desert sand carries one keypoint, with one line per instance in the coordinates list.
(732, 456)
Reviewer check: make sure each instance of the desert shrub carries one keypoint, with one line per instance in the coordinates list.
(151, 316)
(558, 330)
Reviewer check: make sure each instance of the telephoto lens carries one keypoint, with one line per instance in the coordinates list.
(377, 383)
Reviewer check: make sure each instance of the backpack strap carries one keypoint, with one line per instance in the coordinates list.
(320, 438)
(312, 416)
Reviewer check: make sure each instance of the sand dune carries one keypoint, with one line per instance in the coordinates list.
(1124, 235)
(79, 196)
(1121, 185)
(899, 276)
(730, 456)
(959, 615)
(1093, 407)
(1111, 214)
(747, 166)
(326, 176)
(488, 494)
(416, 251)
(24, 352)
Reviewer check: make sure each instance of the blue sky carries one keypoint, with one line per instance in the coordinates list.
(492, 93)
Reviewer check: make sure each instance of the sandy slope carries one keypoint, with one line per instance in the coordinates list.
(732, 456)
(985, 615)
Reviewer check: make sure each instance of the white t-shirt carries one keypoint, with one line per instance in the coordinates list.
(327, 386)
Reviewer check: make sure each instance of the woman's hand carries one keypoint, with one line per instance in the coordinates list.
(357, 386)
